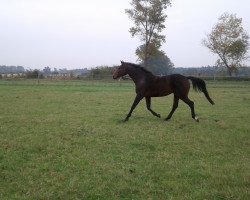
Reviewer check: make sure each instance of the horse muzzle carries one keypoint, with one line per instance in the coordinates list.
(115, 76)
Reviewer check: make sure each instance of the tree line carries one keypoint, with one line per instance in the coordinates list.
(11, 69)
(105, 72)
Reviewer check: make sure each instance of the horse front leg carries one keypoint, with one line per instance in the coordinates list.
(138, 98)
(175, 105)
(148, 102)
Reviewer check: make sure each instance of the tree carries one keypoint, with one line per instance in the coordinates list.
(152, 51)
(32, 74)
(149, 18)
(229, 41)
(160, 65)
(47, 70)
(102, 72)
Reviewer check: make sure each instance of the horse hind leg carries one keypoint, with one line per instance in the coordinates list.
(148, 102)
(191, 105)
(175, 105)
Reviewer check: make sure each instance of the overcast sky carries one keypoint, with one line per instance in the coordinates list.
(89, 33)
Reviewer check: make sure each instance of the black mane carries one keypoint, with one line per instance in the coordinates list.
(140, 67)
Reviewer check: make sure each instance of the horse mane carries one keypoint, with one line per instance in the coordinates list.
(140, 67)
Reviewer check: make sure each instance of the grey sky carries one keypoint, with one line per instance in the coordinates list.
(88, 33)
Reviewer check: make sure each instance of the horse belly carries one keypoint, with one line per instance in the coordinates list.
(159, 91)
(161, 94)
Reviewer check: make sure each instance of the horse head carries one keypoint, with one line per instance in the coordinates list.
(120, 71)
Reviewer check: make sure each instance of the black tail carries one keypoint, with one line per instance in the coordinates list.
(200, 86)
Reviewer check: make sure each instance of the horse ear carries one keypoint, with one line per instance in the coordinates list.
(122, 62)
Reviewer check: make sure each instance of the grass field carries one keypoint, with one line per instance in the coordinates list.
(65, 140)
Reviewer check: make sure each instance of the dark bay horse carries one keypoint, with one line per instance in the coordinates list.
(148, 85)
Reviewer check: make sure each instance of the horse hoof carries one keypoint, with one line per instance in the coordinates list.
(158, 115)
(125, 120)
(196, 119)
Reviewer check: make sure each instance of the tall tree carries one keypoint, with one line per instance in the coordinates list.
(160, 65)
(148, 17)
(229, 41)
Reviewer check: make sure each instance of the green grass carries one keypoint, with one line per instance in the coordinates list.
(65, 140)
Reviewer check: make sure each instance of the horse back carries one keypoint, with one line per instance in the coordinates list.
(158, 86)
(164, 85)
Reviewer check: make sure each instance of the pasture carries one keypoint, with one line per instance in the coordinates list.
(65, 140)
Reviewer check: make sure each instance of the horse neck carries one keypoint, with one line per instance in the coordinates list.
(136, 74)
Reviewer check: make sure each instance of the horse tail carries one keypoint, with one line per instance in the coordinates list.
(200, 86)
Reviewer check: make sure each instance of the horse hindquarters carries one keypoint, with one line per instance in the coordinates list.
(181, 88)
